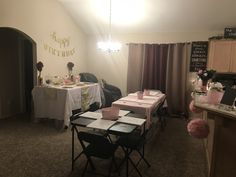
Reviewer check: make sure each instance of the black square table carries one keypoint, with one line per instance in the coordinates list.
(122, 126)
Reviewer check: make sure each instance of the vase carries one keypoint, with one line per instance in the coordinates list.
(214, 97)
(140, 95)
(146, 92)
(204, 85)
(40, 80)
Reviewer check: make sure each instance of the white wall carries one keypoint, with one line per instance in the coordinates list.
(39, 19)
(113, 67)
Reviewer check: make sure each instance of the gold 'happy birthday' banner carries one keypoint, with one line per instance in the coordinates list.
(63, 50)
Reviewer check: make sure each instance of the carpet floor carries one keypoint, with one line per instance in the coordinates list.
(30, 149)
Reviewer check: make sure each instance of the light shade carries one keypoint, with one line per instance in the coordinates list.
(109, 46)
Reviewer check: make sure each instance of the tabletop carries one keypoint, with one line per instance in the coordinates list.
(147, 105)
(95, 121)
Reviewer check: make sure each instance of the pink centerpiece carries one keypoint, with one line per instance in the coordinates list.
(214, 97)
(198, 128)
(110, 113)
(205, 75)
(146, 92)
(140, 95)
(215, 93)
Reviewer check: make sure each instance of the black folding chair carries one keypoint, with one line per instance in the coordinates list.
(99, 146)
(160, 112)
(130, 143)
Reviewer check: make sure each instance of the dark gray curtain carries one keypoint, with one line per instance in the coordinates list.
(135, 67)
(154, 74)
(163, 67)
(176, 78)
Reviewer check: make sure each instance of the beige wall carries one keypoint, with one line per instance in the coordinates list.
(39, 19)
(113, 67)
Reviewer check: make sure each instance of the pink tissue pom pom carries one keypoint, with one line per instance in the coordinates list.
(198, 128)
(193, 108)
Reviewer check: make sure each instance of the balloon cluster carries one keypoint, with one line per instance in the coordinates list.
(197, 127)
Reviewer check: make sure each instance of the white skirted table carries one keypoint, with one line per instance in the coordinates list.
(57, 102)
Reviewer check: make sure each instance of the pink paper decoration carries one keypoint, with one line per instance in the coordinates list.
(146, 92)
(193, 108)
(198, 128)
(110, 113)
(140, 95)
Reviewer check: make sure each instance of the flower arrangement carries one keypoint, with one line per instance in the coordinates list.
(217, 86)
(39, 66)
(205, 75)
(70, 66)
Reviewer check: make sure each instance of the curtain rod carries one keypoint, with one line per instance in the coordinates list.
(161, 43)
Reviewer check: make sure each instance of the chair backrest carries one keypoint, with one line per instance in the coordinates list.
(95, 139)
(88, 77)
(160, 107)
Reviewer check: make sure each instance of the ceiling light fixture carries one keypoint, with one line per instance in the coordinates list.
(109, 46)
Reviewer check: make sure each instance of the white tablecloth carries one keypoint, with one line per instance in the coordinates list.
(58, 102)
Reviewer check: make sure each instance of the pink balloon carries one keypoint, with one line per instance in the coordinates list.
(198, 128)
(193, 108)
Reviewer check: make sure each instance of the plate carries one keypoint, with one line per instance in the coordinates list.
(70, 83)
(80, 84)
(67, 87)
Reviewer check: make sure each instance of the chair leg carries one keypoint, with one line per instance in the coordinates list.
(129, 159)
(109, 138)
(145, 160)
(91, 163)
(110, 168)
(85, 168)
(117, 168)
(162, 122)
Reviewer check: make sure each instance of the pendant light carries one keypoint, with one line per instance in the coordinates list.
(109, 46)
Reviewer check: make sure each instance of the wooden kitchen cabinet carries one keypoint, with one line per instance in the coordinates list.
(222, 55)
(233, 58)
(209, 141)
(221, 142)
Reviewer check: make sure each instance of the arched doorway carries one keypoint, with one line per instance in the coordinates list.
(17, 73)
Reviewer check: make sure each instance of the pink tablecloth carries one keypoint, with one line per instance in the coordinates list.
(147, 105)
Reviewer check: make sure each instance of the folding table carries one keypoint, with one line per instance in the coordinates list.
(122, 126)
(147, 105)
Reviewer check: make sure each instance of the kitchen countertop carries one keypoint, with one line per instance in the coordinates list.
(224, 110)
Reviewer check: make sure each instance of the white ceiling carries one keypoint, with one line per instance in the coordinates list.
(152, 16)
